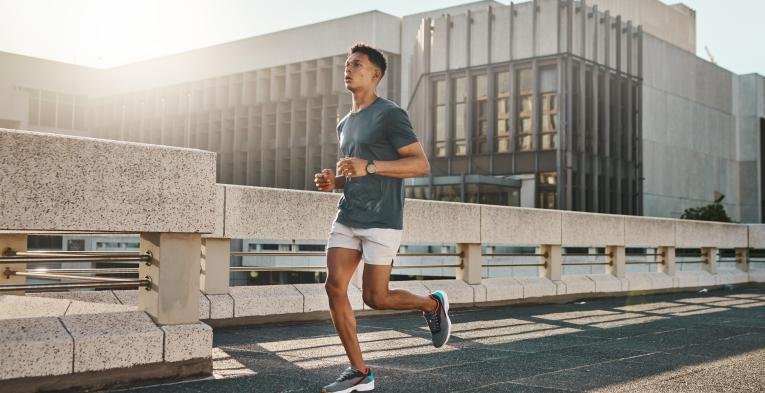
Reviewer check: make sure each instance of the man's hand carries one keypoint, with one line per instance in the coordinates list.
(325, 181)
(352, 167)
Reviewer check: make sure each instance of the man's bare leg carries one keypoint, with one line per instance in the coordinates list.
(378, 296)
(341, 263)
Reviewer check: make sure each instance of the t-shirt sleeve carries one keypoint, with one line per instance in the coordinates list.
(400, 131)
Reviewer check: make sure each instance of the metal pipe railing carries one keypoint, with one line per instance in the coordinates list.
(607, 254)
(76, 259)
(544, 264)
(85, 285)
(514, 254)
(585, 263)
(321, 254)
(53, 276)
(87, 271)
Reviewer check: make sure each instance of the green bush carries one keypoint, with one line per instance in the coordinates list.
(713, 212)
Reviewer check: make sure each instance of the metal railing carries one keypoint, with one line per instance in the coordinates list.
(64, 257)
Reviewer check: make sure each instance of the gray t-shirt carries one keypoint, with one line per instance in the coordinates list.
(374, 133)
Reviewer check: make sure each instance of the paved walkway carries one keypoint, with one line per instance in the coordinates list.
(691, 342)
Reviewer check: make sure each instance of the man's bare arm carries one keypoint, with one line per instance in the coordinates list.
(413, 163)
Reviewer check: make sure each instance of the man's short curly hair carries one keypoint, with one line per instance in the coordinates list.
(375, 56)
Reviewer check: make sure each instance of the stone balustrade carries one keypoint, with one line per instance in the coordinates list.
(65, 184)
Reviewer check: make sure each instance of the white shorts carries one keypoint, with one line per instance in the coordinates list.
(378, 246)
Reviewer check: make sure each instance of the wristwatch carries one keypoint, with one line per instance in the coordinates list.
(371, 168)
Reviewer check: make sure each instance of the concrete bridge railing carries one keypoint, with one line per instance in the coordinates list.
(53, 183)
(276, 214)
(186, 222)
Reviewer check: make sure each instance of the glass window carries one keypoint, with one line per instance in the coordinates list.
(502, 141)
(549, 76)
(448, 193)
(548, 178)
(460, 138)
(439, 90)
(547, 200)
(525, 109)
(481, 112)
(416, 192)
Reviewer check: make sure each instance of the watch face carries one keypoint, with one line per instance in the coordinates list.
(371, 168)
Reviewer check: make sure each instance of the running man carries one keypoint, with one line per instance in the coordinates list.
(380, 150)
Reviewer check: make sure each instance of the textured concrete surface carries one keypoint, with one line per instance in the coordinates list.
(695, 279)
(184, 342)
(34, 347)
(433, 222)
(537, 287)
(130, 297)
(756, 235)
(685, 342)
(724, 277)
(608, 283)
(221, 306)
(457, 291)
(104, 341)
(315, 297)
(578, 284)
(639, 281)
(514, 225)
(266, 300)
(13, 307)
(80, 308)
(707, 234)
(106, 297)
(81, 184)
(648, 232)
(586, 229)
(270, 213)
(504, 288)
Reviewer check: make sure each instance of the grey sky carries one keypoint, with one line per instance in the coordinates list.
(105, 33)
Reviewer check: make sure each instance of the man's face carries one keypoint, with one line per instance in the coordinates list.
(360, 72)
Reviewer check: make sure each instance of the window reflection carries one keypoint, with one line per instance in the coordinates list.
(460, 140)
(502, 144)
(439, 89)
(481, 122)
(525, 109)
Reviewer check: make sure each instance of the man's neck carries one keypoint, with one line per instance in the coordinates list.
(363, 99)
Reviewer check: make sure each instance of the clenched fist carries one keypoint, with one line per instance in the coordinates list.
(325, 181)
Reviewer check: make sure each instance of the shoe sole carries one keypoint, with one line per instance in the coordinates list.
(446, 309)
(362, 387)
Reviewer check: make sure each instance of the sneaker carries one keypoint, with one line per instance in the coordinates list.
(438, 321)
(351, 380)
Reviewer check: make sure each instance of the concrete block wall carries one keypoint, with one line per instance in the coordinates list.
(82, 344)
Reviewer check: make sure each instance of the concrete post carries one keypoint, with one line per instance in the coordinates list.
(709, 255)
(742, 259)
(667, 259)
(553, 268)
(215, 260)
(617, 261)
(173, 297)
(470, 263)
(10, 243)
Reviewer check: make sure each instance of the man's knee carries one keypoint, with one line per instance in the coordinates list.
(375, 299)
(335, 289)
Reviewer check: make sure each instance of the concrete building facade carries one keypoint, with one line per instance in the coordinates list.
(598, 106)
